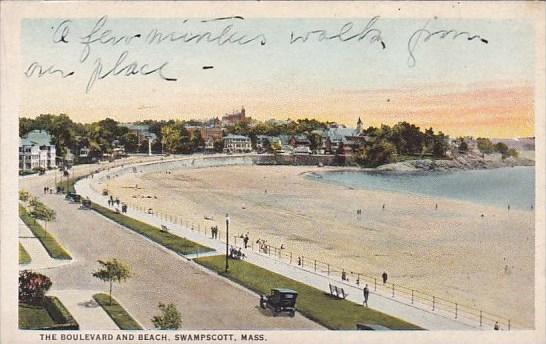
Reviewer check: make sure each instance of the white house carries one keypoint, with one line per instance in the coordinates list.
(237, 143)
(36, 151)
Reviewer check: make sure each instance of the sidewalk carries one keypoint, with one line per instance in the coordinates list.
(417, 314)
(40, 258)
(87, 312)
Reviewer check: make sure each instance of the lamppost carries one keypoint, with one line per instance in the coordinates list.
(227, 241)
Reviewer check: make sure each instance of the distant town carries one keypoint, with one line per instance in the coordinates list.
(52, 141)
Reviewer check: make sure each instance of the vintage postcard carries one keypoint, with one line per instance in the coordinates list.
(252, 172)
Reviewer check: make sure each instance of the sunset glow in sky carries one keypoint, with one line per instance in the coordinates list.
(459, 86)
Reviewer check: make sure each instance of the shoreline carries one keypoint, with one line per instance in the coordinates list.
(407, 239)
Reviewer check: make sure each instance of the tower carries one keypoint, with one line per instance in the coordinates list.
(359, 126)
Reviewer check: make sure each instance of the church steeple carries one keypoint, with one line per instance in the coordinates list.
(359, 126)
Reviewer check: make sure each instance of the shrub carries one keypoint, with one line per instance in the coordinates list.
(23, 195)
(32, 287)
(170, 319)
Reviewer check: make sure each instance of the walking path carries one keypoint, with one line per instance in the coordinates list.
(417, 314)
(87, 312)
(208, 301)
(37, 252)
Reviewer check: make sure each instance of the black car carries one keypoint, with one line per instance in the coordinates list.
(73, 197)
(280, 300)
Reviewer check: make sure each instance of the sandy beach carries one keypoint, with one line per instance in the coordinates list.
(451, 252)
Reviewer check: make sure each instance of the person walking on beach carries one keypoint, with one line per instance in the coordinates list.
(366, 292)
(384, 276)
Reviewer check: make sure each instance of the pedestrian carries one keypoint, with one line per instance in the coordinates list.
(496, 327)
(508, 206)
(343, 276)
(117, 201)
(45, 189)
(366, 293)
(245, 240)
(383, 206)
(436, 206)
(109, 201)
(384, 276)
(299, 261)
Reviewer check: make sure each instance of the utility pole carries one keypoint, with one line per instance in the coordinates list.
(227, 241)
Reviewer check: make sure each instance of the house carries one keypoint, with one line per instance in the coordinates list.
(302, 150)
(143, 133)
(285, 143)
(209, 144)
(334, 138)
(299, 140)
(36, 151)
(206, 131)
(340, 139)
(263, 141)
(237, 144)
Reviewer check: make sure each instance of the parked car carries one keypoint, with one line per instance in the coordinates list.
(280, 300)
(74, 197)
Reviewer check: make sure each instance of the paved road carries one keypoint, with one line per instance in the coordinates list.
(205, 300)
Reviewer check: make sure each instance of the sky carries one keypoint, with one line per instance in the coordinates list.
(459, 86)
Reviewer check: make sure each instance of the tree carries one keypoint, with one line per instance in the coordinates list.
(197, 140)
(40, 211)
(512, 152)
(32, 287)
(170, 318)
(440, 146)
(485, 145)
(112, 271)
(316, 141)
(23, 195)
(379, 153)
(463, 146)
(170, 138)
(501, 148)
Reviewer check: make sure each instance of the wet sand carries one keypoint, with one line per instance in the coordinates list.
(450, 252)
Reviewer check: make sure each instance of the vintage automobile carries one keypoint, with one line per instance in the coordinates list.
(73, 197)
(280, 300)
(86, 204)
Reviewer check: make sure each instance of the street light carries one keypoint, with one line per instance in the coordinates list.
(227, 241)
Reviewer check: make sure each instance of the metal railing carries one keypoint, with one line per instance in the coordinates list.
(433, 303)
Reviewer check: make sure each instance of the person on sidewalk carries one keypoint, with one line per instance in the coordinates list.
(384, 276)
(245, 240)
(496, 327)
(366, 293)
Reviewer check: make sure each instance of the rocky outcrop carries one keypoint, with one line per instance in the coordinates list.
(460, 162)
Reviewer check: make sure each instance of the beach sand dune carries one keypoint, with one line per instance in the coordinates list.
(450, 252)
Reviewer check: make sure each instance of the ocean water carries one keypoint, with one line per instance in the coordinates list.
(514, 186)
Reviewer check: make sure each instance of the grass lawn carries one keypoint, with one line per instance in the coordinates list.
(24, 257)
(71, 182)
(33, 317)
(53, 248)
(170, 241)
(116, 312)
(315, 304)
